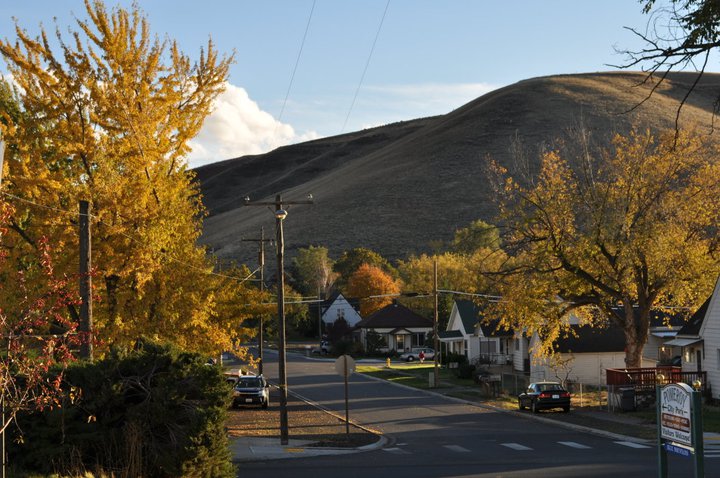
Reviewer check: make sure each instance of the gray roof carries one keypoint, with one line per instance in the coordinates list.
(393, 316)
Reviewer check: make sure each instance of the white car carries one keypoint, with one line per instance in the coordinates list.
(414, 354)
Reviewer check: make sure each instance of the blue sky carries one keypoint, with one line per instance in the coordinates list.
(430, 56)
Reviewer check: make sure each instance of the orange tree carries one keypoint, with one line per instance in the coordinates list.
(367, 281)
(632, 229)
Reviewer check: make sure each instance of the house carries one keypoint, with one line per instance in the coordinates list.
(467, 334)
(338, 307)
(697, 344)
(583, 354)
(396, 327)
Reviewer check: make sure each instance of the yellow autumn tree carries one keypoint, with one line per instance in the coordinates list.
(631, 229)
(465, 273)
(106, 116)
(368, 281)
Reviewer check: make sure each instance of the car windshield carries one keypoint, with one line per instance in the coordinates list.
(249, 382)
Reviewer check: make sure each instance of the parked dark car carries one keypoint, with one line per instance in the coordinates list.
(251, 390)
(544, 396)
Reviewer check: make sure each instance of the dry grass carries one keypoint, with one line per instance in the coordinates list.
(400, 186)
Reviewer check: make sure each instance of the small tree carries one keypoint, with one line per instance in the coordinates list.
(367, 281)
(38, 343)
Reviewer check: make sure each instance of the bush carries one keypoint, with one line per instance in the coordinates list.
(154, 411)
(452, 357)
(465, 370)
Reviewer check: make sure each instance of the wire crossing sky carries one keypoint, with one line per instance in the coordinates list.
(308, 59)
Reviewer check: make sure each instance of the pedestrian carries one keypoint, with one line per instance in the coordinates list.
(422, 356)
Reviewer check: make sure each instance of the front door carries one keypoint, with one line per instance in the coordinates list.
(400, 339)
(698, 356)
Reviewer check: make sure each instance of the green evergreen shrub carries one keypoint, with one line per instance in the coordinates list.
(154, 411)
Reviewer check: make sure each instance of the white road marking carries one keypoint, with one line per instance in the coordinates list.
(631, 444)
(573, 444)
(516, 446)
(396, 451)
(456, 448)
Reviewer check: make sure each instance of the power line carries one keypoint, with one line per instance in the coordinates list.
(367, 63)
(297, 62)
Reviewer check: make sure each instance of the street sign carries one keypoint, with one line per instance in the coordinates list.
(345, 365)
(678, 450)
(675, 419)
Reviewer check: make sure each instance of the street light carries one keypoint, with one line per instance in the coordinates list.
(280, 215)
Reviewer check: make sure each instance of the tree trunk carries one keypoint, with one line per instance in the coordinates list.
(636, 328)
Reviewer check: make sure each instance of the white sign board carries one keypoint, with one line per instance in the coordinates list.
(675, 413)
(345, 365)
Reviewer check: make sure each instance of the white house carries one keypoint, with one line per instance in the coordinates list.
(710, 333)
(467, 334)
(583, 355)
(337, 307)
(398, 328)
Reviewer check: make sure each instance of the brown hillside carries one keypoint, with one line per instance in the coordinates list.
(395, 188)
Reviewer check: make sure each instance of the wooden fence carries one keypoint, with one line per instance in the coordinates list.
(645, 379)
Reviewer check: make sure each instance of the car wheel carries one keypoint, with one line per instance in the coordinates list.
(520, 405)
(410, 359)
(566, 409)
(534, 406)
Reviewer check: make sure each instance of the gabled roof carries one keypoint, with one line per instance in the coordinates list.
(393, 316)
(450, 334)
(471, 315)
(592, 339)
(692, 327)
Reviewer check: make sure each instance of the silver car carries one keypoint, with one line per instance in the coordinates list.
(414, 354)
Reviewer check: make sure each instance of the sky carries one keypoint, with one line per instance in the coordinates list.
(307, 69)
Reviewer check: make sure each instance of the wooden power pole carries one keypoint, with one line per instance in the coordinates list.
(261, 265)
(85, 326)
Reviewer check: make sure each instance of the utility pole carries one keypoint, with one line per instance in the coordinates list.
(435, 324)
(261, 265)
(86, 325)
(280, 215)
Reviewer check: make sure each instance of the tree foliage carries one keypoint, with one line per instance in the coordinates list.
(633, 229)
(312, 270)
(38, 342)
(351, 260)
(108, 118)
(477, 235)
(150, 411)
(370, 280)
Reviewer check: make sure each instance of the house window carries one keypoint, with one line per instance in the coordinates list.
(689, 355)
(341, 313)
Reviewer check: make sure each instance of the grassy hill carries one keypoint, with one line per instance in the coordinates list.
(397, 187)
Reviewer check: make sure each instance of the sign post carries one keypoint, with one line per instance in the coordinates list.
(680, 429)
(345, 365)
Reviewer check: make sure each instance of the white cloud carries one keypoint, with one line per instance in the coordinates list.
(237, 127)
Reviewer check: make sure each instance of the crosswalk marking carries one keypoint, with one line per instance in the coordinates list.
(573, 444)
(396, 451)
(457, 448)
(516, 446)
(631, 444)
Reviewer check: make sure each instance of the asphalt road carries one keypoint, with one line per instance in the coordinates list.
(433, 436)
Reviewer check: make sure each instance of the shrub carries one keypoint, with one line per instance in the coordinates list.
(153, 411)
(465, 370)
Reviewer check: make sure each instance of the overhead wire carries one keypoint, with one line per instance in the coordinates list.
(367, 64)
